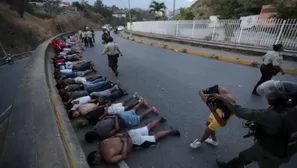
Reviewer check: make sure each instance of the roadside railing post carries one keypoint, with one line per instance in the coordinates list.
(240, 34)
(176, 31)
(213, 31)
(193, 28)
(165, 27)
(280, 32)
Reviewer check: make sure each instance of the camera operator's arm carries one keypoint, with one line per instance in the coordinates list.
(260, 116)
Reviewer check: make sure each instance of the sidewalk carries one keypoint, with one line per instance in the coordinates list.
(289, 66)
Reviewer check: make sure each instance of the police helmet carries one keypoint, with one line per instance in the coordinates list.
(278, 89)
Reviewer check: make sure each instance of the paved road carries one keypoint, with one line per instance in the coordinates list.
(10, 76)
(170, 80)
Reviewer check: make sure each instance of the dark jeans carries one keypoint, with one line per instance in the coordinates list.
(86, 42)
(93, 38)
(90, 42)
(267, 73)
(113, 62)
(82, 66)
(99, 88)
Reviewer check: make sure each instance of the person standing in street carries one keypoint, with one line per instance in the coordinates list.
(80, 35)
(90, 38)
(113, 51)
(85, 39)
(271, 66)
(93, 35)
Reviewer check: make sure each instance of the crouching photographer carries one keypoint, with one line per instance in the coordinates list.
(275, 128)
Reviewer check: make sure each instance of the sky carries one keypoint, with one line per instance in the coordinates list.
(144, 4)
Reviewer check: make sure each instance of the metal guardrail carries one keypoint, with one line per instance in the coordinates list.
(262, 50)
(250, 30)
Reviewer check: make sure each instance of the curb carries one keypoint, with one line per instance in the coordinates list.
(74, 153)
(207, 55)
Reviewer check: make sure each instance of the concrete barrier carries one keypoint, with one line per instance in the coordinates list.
(17, 57)
(39, 133)
(204, 54)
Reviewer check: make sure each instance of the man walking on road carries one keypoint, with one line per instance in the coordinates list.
(90, 38)
(113, 51)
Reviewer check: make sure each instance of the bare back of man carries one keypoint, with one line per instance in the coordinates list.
(112, 149)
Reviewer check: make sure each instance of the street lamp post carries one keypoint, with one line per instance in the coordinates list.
(130, 17)
(173, 9)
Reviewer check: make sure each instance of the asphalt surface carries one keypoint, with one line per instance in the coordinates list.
(170, 80)
(10, 76)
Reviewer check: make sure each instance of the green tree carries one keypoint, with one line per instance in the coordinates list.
(185, 14)
(102, 9)
(158, 9)
(52, 8)
(134, 15)
(285, 10)
(78, 5)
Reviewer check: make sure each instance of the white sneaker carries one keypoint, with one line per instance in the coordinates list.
(195, 144)
(212, 142)
(135, 95)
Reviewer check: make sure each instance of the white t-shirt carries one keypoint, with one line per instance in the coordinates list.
(83, 34)
(115, 108)
(66, 70)
(89, 34)
(66, 49)
(68, 65)
(82, 100)
(80, 79)
(272, 57)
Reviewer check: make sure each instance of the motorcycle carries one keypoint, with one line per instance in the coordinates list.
(9, 60)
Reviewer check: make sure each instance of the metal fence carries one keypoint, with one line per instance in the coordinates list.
(262, 33)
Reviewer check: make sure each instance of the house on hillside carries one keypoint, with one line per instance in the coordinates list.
(64, 4)
(119, 14)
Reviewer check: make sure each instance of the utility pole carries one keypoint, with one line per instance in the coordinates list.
(173, 9)
(130, 17)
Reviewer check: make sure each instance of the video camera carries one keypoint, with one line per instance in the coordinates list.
(252, 126)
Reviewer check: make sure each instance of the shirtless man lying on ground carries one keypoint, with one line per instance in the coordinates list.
(109, 125)
(77, 103)
(83, 81)
(73, 105)
(116, 148)
(109, 90)
(93, 112)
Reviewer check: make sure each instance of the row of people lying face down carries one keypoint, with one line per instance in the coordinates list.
(90, 97)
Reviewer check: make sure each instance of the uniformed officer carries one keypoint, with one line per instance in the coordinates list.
(271, 65)
(113, 51)
(276, 127)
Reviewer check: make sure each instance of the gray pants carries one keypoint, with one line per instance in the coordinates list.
(264, 159)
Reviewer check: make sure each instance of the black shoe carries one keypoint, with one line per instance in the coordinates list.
(234, 163)
(163, 120)
(221, 164)
(175, 132)
(117, 73)
(255, 93)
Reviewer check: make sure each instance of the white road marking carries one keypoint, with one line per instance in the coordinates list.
(123, 164)
(5, 111)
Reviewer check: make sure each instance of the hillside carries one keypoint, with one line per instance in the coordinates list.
(24, 34)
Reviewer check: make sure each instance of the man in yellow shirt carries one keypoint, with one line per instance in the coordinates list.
(218, 118)
(113, 51)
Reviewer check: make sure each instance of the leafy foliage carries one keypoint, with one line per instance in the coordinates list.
(185, 14)
(285, 10)
(158, 9)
